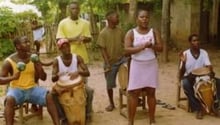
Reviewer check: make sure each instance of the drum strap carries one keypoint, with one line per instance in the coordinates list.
(198, 93)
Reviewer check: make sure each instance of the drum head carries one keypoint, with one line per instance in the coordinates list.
(65, 81)
(201, 71)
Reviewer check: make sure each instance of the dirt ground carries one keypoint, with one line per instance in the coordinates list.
(166, 93)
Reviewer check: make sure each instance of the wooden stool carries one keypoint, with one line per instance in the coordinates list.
(25, 113)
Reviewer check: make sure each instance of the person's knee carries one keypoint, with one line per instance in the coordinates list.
(10, 101)
(133, 94)
(150, 92)
(49, 98)
(186, 84)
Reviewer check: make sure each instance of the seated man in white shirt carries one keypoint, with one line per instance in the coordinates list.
(191, 59)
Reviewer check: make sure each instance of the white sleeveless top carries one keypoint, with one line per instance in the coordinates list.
(192, 63)
(140, 39)
(67, 69)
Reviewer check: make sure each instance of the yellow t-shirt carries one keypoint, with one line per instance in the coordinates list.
(26, 79)
(68, 28)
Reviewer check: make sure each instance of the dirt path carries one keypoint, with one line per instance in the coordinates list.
(166, 93)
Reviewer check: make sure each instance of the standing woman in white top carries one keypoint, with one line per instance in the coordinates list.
(141, 43)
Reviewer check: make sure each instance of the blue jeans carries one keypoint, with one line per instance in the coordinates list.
(34, 95)
(189, 91)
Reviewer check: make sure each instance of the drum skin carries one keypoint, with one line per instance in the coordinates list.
(123, 76)
(201, 71)
(73, 100)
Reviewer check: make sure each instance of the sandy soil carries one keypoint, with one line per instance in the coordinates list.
(166, 92)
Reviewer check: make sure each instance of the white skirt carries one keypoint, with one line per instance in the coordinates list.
(143, 74)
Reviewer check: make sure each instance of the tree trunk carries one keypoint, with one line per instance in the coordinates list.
(93, 21)
(132, 10)
(214, 20)
(62, 8)
(165, 28)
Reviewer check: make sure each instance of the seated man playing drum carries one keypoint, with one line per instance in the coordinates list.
(68, 70)
(191, 61)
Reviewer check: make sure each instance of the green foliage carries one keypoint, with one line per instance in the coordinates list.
(100, 6)
(26, 16)
(7, 48)
(94, 51)
(207, 5)
(8, 21)
(157, 7)
(21, 1)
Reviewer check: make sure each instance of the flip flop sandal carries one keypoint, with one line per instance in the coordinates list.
(168, 106)
(159, 102)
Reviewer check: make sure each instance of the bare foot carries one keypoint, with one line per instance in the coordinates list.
(110, 108)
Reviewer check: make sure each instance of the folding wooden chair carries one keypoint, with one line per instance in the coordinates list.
(123, 81)
(181, 97)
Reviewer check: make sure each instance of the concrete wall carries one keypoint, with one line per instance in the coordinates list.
(184, 21)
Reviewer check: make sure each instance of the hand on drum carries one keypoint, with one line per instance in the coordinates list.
(73, 75)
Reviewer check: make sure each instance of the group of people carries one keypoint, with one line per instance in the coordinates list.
(138, 47)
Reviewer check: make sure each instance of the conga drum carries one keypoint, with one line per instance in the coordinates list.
(204, 87)
(123, 76)
(73, 99)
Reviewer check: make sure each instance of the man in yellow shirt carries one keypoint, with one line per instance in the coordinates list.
(24, 88)
(77, 31)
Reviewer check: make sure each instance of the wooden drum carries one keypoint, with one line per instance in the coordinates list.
(123, 76)
(204, 87)
(73, 99)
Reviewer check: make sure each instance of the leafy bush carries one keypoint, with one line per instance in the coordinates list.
(10, 23)
(7, 48)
